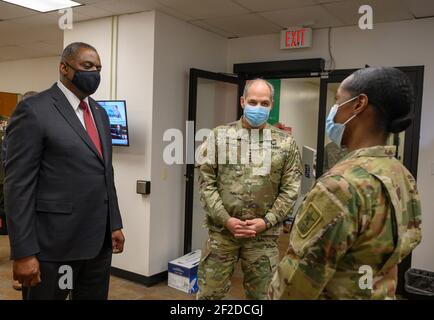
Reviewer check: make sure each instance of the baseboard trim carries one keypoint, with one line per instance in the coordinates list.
(139, 278)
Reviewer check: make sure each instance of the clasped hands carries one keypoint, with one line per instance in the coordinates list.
(245, 229)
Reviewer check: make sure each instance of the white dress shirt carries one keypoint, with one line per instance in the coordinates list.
(75, 103)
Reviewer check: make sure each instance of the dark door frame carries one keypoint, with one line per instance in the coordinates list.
(195, 74)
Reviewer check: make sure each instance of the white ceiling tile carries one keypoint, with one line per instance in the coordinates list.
(384, 10)
(39, 20)
(88, 1)
(91, 11)
(314, 17)
(174, 13)
(202, 9)
(244, 25)
(272, 5)
(41, 46)
(328, 1)
(420, 8)
(202, 24)
(126, 6)
(10, 11)
(16, 34)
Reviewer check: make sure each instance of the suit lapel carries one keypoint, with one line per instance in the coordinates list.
(97, 116)
(66, 110)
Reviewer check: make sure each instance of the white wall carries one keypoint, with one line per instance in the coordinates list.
(405, 43)
(217, 104)
(20, 76)
(135, 72)
(179, 46)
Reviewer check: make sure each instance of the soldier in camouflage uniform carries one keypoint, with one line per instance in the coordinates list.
(363, 217)
(244, 207)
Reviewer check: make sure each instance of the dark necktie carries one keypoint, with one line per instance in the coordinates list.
(90, 126)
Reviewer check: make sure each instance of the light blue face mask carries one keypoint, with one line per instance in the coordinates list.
(256, 116)
(335, 131)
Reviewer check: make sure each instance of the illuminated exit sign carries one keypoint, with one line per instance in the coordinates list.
(292, 38)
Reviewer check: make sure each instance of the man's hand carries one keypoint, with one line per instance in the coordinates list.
(118, 241)
(26, 271)
(239, 228)
(258, 225)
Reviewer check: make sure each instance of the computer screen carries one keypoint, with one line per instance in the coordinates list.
(117, 113)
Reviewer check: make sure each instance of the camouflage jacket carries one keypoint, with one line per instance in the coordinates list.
(363, 214)
(243, 190)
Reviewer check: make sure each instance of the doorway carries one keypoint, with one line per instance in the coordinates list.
(213, 100)
(305, 94)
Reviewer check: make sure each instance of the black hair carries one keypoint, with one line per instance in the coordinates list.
(390, 91)
(72, 49)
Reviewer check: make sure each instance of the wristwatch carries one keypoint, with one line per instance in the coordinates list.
(267, 223)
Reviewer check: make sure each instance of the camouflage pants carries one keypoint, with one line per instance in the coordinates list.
(259, 258)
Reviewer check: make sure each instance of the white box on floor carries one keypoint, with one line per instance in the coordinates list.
(182, 272)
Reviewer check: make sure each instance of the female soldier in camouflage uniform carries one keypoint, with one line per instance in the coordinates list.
(363, 216)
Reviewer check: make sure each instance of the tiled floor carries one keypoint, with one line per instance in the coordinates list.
(121, 289)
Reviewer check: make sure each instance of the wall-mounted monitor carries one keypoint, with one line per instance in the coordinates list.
(117, 113)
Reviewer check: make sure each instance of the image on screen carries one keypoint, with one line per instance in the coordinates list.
(117, 113)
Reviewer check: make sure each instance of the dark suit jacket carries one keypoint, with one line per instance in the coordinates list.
(59, 192)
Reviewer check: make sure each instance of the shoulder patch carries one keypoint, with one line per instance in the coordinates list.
(309, 219)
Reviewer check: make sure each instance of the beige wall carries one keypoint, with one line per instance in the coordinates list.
(20, 76)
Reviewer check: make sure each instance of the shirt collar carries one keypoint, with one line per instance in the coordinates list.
(377, 151)
(73, 100)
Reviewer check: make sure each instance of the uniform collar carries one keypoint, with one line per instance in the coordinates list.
(377, 151)
(239, 126)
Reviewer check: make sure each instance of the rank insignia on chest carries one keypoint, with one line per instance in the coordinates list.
(274, 144)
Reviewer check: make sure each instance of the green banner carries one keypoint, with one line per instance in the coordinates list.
(274, 114)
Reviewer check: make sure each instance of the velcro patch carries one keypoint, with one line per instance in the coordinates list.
(309, 219)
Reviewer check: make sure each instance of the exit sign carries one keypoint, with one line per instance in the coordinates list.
(292, 38)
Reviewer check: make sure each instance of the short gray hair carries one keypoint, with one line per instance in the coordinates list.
(249, 83)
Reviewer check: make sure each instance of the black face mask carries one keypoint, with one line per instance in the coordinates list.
(85, 81)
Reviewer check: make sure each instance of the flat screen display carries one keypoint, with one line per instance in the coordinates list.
(117, 113)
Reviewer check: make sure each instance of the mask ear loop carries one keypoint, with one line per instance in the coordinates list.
(351, 118)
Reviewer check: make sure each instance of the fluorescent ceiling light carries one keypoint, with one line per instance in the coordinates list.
(44, 5)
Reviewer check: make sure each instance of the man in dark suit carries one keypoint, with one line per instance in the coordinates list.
(60, 198)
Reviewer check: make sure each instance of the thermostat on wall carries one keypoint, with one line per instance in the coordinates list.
(143, 187)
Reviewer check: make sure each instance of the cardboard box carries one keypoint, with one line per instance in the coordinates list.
(182, 272)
